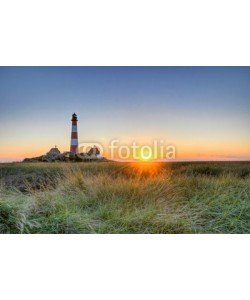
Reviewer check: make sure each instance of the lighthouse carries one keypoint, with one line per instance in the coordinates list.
(74, 135)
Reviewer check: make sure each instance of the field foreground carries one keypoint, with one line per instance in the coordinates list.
(125, 197)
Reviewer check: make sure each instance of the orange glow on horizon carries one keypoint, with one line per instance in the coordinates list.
(184, 151)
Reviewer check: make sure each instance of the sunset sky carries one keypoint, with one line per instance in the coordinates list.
(203, 111)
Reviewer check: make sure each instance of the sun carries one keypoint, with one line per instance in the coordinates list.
(146, 156)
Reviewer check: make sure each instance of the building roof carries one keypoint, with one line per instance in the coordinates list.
(54, 150)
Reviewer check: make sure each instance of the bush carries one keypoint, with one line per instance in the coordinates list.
(205, 170)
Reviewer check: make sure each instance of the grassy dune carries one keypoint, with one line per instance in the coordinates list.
(125, 198)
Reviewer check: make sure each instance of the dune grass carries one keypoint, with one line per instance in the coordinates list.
(125, 198)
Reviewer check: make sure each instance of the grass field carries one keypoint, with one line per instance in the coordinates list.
(125, 197)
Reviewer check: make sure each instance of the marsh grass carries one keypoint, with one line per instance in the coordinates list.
(125, 198)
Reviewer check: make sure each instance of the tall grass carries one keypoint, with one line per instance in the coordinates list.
(125, 198)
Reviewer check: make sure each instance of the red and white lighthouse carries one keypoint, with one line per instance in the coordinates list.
(74, 135)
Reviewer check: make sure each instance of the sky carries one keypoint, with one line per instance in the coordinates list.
(202, 111)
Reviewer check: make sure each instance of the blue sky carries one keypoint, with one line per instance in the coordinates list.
(204, 111)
